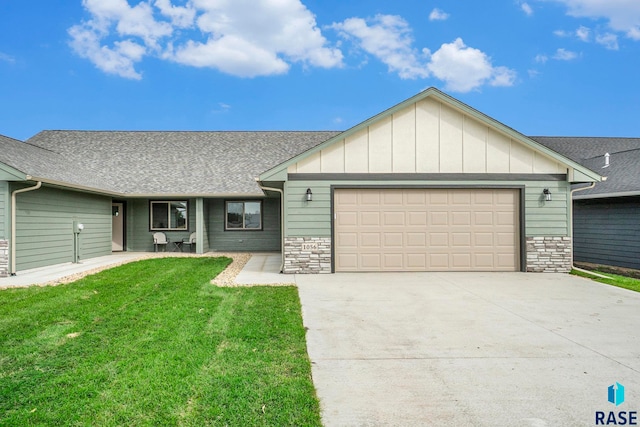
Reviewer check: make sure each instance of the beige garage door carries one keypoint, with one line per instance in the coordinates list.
(426, 230)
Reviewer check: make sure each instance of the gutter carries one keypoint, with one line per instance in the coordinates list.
(263, 188)
(12, 268)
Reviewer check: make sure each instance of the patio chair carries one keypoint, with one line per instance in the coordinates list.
(190, 241)
(160, 239)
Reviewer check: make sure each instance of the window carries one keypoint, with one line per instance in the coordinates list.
(243, 216)
(169, 215)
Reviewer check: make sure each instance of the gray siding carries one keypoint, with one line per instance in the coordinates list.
(44, 226)
(607, 231)
(267, 239)
(313, 219)
(139, 237)
(4, 210)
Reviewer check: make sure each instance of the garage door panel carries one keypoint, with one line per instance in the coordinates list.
(371, 262)
(347, 262)
(369, 218)
(416, 239)
(438, 261)
(427, 230)
(393, 240)
(393, 261)
(438, 218)
(460, 218)
(368, 199)
(347, 218)
(416, 261)
(415, 219)
(370, 240)
(393, 218)
(439, 239)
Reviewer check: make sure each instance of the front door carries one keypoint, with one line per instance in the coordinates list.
(117, 227)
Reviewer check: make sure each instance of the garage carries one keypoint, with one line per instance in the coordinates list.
(427, 229)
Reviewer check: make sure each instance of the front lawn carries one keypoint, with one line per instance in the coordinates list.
(614, 279)
(153, 343)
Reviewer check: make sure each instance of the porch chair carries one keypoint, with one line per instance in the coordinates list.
(160, 239)
(190, 241)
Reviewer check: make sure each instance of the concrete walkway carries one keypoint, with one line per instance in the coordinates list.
(264, 268)
(55, 272)
(469, 349)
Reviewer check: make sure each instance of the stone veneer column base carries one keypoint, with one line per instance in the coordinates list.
(549, 254)
(4, 258)
(307, 255)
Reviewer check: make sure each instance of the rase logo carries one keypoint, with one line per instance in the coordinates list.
(615, 396)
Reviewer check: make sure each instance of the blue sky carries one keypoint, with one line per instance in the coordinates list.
(543, 67)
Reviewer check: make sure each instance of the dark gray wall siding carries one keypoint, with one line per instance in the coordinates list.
(44, 226)
(268, 239)
(607, 231)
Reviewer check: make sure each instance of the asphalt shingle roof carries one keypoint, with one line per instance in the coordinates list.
(623, 172)
(226, 163)
(157, 163)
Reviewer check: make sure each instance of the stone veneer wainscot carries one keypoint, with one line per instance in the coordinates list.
(549, 254)
(4, 258)
(298, 259)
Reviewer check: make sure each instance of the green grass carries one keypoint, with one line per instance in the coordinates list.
(153, 343)
(615, 280)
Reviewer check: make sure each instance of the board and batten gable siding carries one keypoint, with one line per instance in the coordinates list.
(313, 219)
(139, 236)
(607, 231)
(4, 210)
(44, 226)
(267, 239)
(428, 137)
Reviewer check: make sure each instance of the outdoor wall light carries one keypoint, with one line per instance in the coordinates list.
(547, 194)
(309, 195)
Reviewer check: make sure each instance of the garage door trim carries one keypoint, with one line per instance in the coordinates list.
(521, 209)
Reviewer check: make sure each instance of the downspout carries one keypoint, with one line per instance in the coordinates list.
(13, 222)
(281, 220)
(588, 187)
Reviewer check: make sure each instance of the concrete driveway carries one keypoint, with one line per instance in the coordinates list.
(469, 349)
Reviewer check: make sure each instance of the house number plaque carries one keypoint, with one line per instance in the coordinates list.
(309, 246)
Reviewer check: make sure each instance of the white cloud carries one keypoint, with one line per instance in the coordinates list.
(7, 58)
(608, 40)
(388, 38)
(541, 59)
(564, 55)
(622, 15)
(438, 15)
(463, 68)
(240, 37)
(181, 16)
(526, 8)
(583, 33)
(561, 33)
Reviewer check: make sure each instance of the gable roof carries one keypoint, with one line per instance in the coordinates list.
(623, 172)
(586, 174)
(156, 163)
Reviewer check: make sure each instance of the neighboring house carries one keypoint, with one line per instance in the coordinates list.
(607, 217)
(428, 185)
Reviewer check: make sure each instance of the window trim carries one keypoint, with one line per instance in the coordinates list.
(243, 201)
(168, 202)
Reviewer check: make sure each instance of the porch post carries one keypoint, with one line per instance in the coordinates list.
(200, 225)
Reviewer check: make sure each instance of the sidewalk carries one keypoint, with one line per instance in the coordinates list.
(56, 272)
